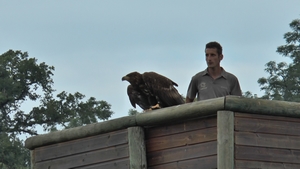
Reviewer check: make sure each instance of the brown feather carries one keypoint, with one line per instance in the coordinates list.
(157, 88)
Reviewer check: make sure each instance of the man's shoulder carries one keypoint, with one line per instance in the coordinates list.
(199, 74)
(229, 76)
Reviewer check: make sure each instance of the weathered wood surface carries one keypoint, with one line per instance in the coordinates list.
(80, 132)
(266, 141)
(261, 106)
(266, 117)
(208, 162)
(108, 149)
(81, 145)
(137, 148)
(182, 145)
(181, 139)
(32, 159)
(196, 124)
(184, 141)
(182, 153)
(153, 118)
(259, 125)
(108, 155)
(181, 112)
(171, 114)
(225, 129)
(118, 164)
(242, 164)
(267, 154)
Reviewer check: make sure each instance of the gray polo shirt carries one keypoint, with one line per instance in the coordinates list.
(205, 87)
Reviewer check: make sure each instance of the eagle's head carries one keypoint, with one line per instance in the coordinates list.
(134, 78)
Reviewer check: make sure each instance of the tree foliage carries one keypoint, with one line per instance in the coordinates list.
(133, 112)
(23, 79)
(13, 155)
(249, 94)
(283, 82)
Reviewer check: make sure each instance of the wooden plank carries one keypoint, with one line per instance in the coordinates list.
(267, 126)
(262, 106)
(88, 158)
(209, 162)
(186, 126)
(81, 145)
(181, 139)
(182, 153)
(225, 127)
(180, 112)
(244, 164)
(80, 132)
(267, 154)
(267, 140)
(137, 148)
(116, 164)
(267, 117)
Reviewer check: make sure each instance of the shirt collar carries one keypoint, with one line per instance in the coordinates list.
(223, 73)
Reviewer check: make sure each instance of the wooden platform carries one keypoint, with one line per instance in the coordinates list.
(223, 133)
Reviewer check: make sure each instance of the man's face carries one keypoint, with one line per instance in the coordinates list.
(213, 59)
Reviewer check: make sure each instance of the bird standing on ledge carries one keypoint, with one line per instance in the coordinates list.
(151, 90)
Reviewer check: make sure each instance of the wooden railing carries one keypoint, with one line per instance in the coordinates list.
(205, 134)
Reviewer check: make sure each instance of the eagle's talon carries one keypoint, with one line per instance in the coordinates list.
(157, 106)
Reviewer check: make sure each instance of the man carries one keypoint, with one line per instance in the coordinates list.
(214, 81)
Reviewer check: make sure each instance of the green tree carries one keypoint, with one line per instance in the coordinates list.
(23, 79)
(12, 152)
(283, 82)
(132, 112)
(248, 94)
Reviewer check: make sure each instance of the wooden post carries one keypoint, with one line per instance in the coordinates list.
(225, 135)
(32, 159)
(137, 148)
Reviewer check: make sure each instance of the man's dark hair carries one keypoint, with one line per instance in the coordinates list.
(214, 45)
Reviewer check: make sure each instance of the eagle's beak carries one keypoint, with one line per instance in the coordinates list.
(125, 78)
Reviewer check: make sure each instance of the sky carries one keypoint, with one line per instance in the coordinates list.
(93, 44)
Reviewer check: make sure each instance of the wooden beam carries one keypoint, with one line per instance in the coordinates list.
(155, 117)
(261, 106)
(181, 112)
(225, 135)
(137, 148)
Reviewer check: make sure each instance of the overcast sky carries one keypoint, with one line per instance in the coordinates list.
(92, 44)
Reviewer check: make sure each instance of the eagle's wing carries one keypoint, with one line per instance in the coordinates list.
(137, 97)
(163, 88)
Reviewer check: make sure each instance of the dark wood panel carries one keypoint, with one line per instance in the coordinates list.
(81, 145)
(267, 126)
(182, 153)
(267, 140)
(267, 154)
(242, 164)
(181, 127)
(181, 139)
(268, 117)
(209, 162)
(94, 157)
(116, 164)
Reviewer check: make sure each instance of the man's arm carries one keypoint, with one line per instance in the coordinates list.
(188, 100)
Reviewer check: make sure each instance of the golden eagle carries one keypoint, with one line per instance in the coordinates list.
(151, 90)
